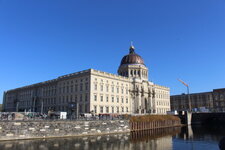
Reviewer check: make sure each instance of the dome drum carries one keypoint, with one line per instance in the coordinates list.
(132, 65)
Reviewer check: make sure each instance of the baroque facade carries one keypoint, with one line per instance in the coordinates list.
(212, 101)
(91, 90)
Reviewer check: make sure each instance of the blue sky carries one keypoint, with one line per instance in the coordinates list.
(44, 39)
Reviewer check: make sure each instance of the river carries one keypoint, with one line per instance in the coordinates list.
(178, 138)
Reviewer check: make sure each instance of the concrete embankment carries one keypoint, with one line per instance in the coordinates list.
(11, 130)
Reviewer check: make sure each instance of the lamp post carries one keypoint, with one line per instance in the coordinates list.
(72, 107)
(77, 111)
(42, 106)
(188, 94)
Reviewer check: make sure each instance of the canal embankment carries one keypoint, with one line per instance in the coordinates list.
(33, 129)
(14, 130)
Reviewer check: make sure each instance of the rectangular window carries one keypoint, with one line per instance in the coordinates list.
(95, 97)
(63, 99)
(67, 98)
(80, 98)
(101, 87)
(118, 100)
(96, 86)
(127, 109)
(117, 109)
(71, 98)
(112, 99)
(122, 90)
(60, 91)
(112, 88)
(63, 89)
(76, 87)
(81, 87)
(101, 109)
(86, 97)
(86, 86)
(112, 109)
(75, 98)
(107, 109)
(107, 99)
(101, 98)
(107, 88)
(122, 100)
(126, 100)
(67, 89)
(122, 109)
(86, 108)
(95, 109)
(71, 88)
(59, 100)
(117, 90)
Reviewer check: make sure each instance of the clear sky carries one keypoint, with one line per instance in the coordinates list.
(43, 39)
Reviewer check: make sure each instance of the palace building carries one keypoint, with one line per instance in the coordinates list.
(95, 91)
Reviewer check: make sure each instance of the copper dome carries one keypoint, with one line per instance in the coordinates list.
(132, 58)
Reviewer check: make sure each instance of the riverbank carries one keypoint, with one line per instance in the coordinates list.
(15, 130)
(38, 129)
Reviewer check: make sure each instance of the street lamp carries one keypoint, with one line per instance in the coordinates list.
(189, 100)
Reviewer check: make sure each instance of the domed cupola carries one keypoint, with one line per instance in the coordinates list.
(132, 66)
(132, 58)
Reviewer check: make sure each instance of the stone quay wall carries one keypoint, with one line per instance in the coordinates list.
(12, 130)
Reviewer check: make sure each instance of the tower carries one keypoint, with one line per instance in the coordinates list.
(132, 66)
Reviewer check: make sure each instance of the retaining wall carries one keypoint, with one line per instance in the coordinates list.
(10, 130)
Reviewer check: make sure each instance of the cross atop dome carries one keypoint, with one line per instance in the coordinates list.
(131, 48)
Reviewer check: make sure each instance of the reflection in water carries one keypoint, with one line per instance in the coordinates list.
(184, 138)
(153, 134)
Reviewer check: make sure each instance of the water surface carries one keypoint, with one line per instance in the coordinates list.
(179, 138)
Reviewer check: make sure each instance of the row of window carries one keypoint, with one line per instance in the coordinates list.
(163, 103)
(162, 110)
(25, 103)
(67, 89)
(73, 98)
(134, 73)
(163, 96)
(82, 108)
(106, 99)
(74, 88)
(49, 101)
(73, 81)
(112, 109)
(106, 89)
(66, 99)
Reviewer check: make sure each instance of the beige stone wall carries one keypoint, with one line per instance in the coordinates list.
(74, 90)
(109, 93)
(91, 90)
(162, 99)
